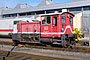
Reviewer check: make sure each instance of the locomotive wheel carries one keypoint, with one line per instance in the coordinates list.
(64, 42)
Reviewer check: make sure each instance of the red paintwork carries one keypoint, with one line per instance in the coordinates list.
(57, 29)
(6, 30)
(28, 27)
(48, 30)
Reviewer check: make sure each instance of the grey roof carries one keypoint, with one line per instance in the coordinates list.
(19, 6)
(4, 8)
(42, 3)
(45, 2)
(49, 7)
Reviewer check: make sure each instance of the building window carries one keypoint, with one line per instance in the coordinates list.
(13, 15)
(9, 15)
(86, 8)
(63, 18)
(30, 13)
(3, 16)
(75, 9)
(22, 14)
(40, 12)
(50, 11)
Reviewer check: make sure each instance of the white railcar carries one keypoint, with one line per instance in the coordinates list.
(8, 26)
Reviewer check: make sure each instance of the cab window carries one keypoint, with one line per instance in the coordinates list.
(46, 20)
(70, 19)
(62, 18)
(54, 21)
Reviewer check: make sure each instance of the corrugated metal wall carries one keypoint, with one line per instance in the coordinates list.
(85, 22)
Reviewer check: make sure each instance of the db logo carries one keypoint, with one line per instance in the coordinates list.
(46, 28)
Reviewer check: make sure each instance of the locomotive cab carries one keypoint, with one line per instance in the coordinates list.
(53, 25)
(57, 28)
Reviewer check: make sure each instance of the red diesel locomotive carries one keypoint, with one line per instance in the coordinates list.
(55, 28)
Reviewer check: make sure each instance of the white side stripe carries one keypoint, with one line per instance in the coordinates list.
(52, 33)
(28, 32)
(61, 32)
(68, 27)
(47, 32)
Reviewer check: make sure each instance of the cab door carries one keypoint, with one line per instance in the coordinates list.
(54, 29)
(63, 23)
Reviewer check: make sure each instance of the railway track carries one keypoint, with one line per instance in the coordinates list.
(23, 56)
(55, 47)
(56, 54)
(76, 52)
(7, 53)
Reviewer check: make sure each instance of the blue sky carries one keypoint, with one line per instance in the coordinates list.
(13, 3)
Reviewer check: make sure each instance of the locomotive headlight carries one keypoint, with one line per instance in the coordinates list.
(62, 28)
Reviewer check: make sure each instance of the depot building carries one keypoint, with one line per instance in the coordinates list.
(80, 8)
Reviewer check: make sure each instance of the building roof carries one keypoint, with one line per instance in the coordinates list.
(46, 2)
(4, 9)
(20, 6)
(49, 7)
